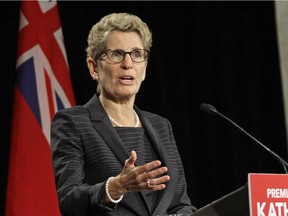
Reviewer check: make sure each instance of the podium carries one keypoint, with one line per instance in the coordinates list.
(265, 195)
(233, 204)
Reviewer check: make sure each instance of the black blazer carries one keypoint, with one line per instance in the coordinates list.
(86, 151)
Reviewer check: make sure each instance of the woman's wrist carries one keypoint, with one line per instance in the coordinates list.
(108, 190)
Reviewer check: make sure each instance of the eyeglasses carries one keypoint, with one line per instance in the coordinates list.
(118, 55)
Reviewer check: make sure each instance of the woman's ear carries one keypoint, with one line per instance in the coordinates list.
(92, 66)
(143, 76)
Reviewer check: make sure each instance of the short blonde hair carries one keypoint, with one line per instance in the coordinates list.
(124, 22)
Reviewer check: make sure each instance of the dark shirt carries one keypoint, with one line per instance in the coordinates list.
(136, 139)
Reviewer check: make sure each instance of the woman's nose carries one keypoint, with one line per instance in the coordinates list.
(127, 63)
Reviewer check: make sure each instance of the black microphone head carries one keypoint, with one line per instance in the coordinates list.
(207, 108)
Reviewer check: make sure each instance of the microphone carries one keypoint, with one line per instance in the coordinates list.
(207, 108)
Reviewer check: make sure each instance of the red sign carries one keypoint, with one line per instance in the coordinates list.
(268, 194)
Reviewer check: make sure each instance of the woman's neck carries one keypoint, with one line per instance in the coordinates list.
(121, 112)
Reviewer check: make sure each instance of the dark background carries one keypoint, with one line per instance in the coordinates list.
(222, 53)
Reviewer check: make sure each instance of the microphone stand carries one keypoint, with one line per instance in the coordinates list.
(283, 162)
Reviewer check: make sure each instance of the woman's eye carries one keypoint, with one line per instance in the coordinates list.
(117, 53)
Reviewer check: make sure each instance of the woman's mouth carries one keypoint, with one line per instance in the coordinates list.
(126, 80)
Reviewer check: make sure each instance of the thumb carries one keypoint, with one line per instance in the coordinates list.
(132, 159)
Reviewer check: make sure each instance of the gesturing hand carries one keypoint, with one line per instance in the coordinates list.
(150, 176)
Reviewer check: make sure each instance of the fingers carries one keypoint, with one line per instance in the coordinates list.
(150, 173)
(130, 162)
(150, 166)
(154, 182)
(136, 178)
(157, 183)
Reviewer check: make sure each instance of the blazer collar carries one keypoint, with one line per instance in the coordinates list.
(152, 136)
(105, 129)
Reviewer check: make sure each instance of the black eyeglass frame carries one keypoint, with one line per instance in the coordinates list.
(125, 53)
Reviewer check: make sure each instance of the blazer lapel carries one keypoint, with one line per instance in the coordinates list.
(158, 148)
(104, 127)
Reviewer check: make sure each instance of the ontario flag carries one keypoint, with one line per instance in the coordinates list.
(42, 87)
